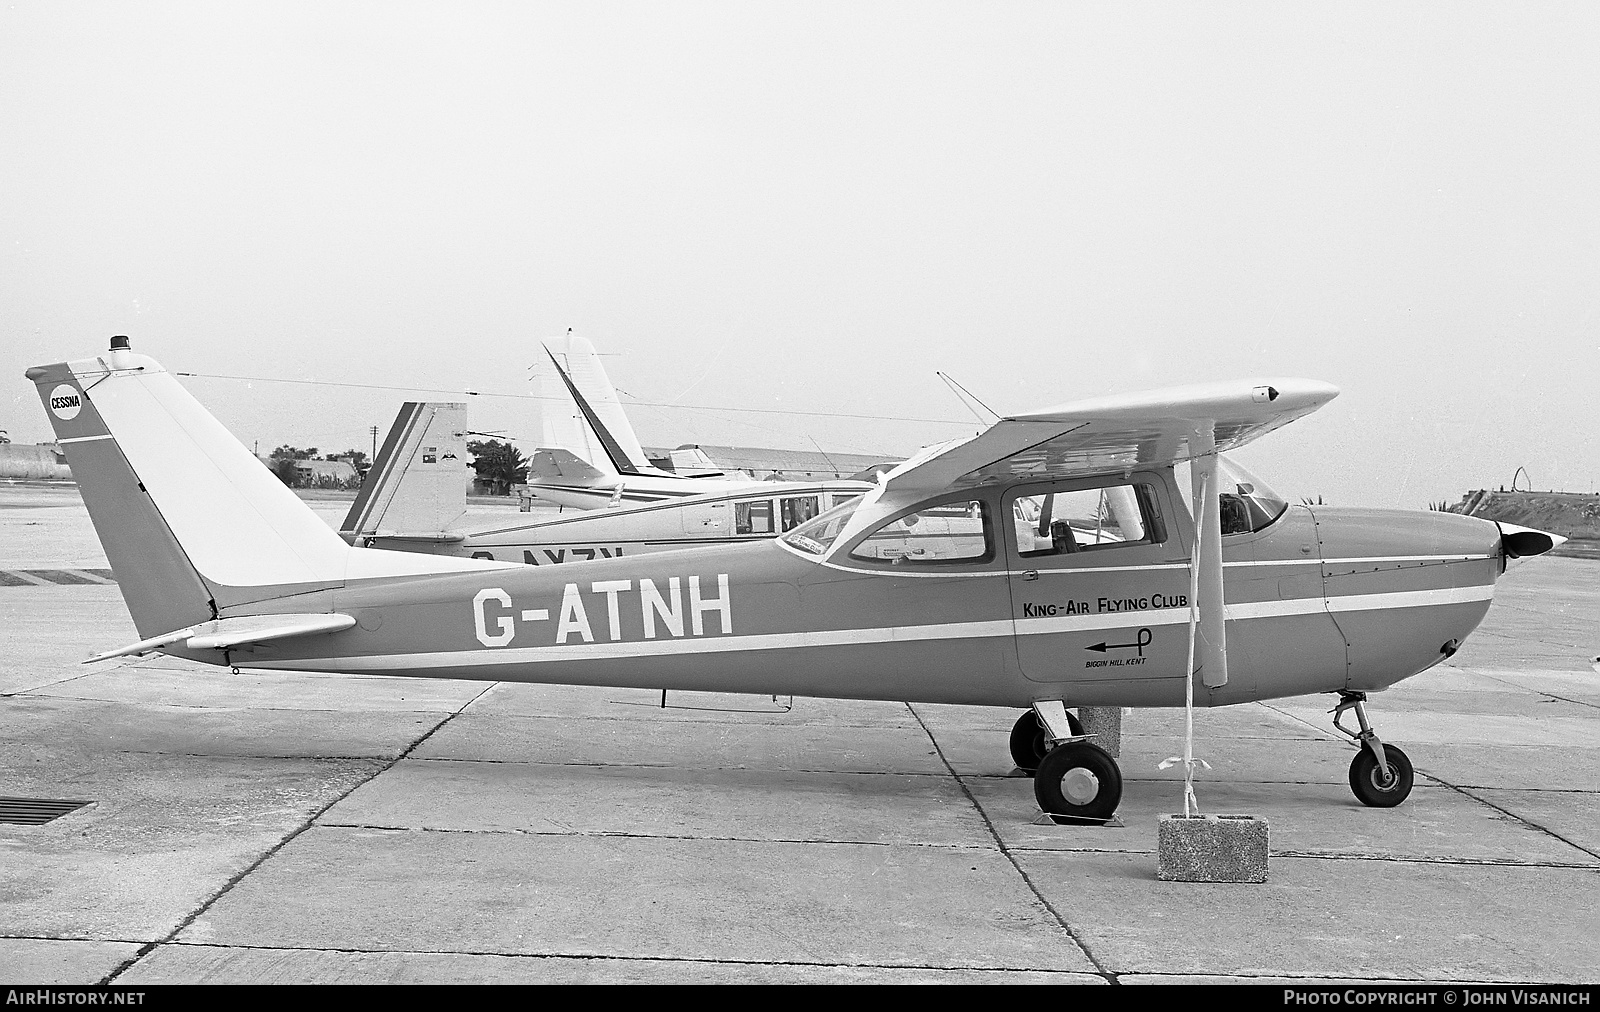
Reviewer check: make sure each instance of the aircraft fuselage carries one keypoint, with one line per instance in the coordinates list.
(1319, 600)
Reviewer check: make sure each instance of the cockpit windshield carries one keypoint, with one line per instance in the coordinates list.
(817, 535)
(1248, 505)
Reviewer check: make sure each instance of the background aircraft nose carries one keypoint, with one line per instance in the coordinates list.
(1524, 542)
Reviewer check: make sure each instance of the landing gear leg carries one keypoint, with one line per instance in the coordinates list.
(1380, 775)
(1030, 741)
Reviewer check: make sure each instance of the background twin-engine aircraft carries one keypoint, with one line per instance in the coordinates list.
(1053, 560)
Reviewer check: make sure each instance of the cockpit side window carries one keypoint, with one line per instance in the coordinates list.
(1071, 520)
(1246, 504)
(950, 532)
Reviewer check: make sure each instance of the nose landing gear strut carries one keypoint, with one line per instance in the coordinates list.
(1380, 775)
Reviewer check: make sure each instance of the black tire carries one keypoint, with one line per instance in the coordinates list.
(1078, 782)
(1028, 739)
(1367, 781)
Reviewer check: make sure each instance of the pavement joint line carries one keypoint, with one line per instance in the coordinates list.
(616, 835)
(1330, 980)
(1317, 855)
(255, 755)
(33, 690)
(671, 723)
(1538, 692)
(1549, 643)
(1505, 811)
(614, 957)
(1296, 718)
(670, 766)
(71, 938)
(219, 709)
(1100, 968)
(227, 886)
(1476, 862)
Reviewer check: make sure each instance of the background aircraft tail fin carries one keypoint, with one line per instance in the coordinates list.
(418, 484)
(581, 410)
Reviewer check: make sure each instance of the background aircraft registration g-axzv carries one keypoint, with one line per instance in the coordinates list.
(1051, 561)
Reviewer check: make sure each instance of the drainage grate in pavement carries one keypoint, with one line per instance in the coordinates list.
(35, 811)
(63, 576)
(57, 577)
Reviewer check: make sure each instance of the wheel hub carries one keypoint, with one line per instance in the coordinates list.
(1080, 786)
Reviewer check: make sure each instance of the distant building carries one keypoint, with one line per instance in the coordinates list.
(325, 472)
(319, 473)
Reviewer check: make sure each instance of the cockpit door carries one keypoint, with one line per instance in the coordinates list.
(1099, 579)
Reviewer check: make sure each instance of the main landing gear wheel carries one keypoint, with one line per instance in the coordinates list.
(1029, 740)
(1078, 782)
(1372, 787)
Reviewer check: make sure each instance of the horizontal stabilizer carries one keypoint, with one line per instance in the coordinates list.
(556, 464)
(223, 633)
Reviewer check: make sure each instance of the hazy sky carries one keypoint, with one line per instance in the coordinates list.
(813, 206)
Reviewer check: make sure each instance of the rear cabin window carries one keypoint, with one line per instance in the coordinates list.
(796, 510)
(1086, 520)
(952, 532)
(753, 517)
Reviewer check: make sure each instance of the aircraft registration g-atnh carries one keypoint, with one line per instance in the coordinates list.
(1050, 561)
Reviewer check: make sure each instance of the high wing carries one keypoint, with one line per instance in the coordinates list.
(1107, 434)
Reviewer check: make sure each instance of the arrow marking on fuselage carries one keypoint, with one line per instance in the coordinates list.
(1141, 641)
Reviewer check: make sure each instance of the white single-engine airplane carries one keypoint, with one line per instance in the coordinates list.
(1050, 561)
(591, 458)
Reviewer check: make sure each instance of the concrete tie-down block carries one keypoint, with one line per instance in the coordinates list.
(1211, 848)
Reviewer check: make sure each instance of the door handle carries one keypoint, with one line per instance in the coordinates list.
(1030, 574)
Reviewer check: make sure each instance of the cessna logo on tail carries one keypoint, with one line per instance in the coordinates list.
(65, 402)
(661, 608)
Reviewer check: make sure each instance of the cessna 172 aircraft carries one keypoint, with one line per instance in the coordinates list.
(414, 499)
(1050, 561)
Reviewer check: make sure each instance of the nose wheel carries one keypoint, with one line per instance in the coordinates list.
(1380, 775)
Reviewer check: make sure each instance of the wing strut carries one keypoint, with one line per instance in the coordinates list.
(1208, 645)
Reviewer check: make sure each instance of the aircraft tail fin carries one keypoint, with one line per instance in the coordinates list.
(192, 523)
(582, 412)
(418, 485)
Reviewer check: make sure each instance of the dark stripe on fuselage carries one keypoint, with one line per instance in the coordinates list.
(607, 493)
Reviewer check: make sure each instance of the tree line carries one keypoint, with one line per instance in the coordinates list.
(498, 466)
